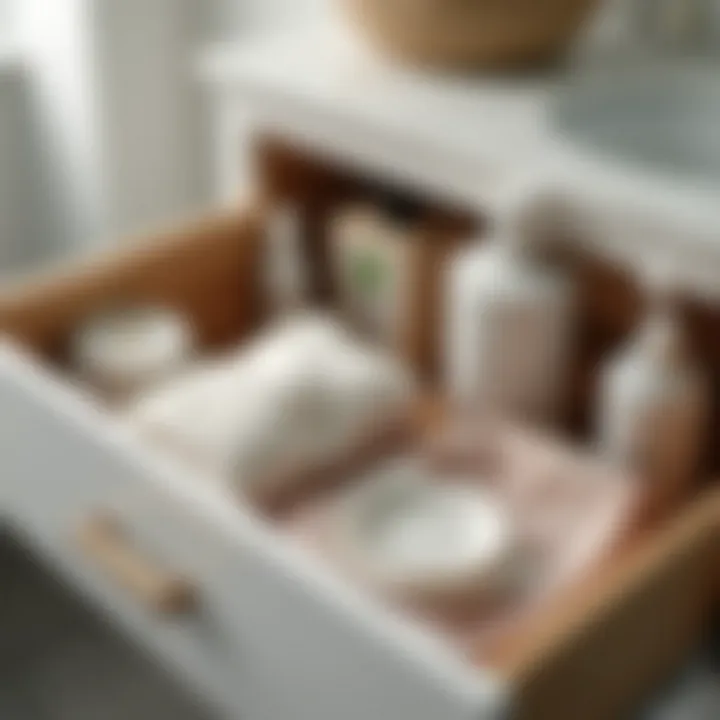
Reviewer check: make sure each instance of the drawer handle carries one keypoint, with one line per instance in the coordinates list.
(102, 539)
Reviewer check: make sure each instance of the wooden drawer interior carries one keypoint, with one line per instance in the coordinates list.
(209, 270)
(204, 268)
(595, 639)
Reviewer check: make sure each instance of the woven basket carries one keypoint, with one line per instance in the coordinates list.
(471, 33)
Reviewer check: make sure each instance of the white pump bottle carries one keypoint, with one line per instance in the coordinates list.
(653, 400)
(508, 318)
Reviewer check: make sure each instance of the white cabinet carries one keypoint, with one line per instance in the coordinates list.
(268, 639)
(276, 635)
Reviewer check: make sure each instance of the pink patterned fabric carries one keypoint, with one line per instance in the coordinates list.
(570, 512)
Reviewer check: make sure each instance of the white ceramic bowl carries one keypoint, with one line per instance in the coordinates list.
(123, 351)
(420, 537)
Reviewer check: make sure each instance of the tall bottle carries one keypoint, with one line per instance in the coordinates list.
(285, 267)
(508, 319)
(653, 401)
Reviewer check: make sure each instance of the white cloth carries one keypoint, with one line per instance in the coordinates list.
(299, 394)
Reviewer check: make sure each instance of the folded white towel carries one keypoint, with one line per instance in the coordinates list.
(298, 394)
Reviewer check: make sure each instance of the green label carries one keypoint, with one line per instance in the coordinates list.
(368, 272)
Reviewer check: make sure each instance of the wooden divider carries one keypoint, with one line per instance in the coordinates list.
(205, 268)
(626, 628)
(320, 188)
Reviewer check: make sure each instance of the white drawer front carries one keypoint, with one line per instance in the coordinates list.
(264, 643)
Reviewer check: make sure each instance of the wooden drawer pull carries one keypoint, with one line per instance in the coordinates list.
(102, 539)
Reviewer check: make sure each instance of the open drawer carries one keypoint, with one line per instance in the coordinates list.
(250, 621)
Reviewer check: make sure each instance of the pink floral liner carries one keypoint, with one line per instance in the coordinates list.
(571, 512)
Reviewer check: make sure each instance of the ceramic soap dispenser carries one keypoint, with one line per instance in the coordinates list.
(508, 318)
(652, 404)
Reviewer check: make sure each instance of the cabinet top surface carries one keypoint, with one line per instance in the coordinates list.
(470, 138)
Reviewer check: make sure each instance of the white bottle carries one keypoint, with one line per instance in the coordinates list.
(508, 321)
(652, 405)
(371, 262)
(285, 276)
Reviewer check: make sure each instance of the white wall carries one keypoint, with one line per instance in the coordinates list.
(108, 144)
(8, 14)
(11, 120)
(150, 102)
(115, 133)
(157, 121)
(58, 180)
(241, 18)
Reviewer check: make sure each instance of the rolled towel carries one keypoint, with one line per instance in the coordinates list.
(298, 396)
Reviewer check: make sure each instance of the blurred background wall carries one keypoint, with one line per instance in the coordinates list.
(104, 130)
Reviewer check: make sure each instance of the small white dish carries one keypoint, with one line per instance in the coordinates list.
(125, 350)
(419, 536)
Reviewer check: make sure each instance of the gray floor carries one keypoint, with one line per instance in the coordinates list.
(695, 693)
(57, 662)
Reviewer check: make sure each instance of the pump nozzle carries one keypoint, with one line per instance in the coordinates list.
(527, 212)
(659, 282)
